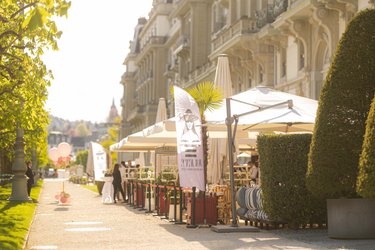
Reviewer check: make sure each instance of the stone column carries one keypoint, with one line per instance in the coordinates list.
(19, 181)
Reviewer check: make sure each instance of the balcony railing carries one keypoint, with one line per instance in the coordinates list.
(128, 75)
(144, 78)
(269, 14)
(241, 27)
(195, 75)
(154, 40)
(182, 45)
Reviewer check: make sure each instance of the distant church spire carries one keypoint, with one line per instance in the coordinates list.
(113, 113)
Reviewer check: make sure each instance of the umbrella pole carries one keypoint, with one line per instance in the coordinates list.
(230, 149)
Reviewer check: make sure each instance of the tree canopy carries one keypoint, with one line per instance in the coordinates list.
(27, 29)
(344, 105)
(366, 177)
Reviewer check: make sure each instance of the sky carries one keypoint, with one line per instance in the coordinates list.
(88, 67)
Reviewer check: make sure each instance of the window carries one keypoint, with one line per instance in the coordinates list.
(301, 55)
(260, 74)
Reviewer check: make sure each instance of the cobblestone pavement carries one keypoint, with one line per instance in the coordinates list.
(86, 223)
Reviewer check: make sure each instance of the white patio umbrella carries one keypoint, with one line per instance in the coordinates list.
(164, 134)
(161, 115)
(261, 109)
(222, 75)
(218, 146)
(296, 114)
(139, 142)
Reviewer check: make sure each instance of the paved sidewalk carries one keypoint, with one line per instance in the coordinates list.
(88, 224)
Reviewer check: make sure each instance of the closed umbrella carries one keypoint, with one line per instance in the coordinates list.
(161, 113)
(222, 76)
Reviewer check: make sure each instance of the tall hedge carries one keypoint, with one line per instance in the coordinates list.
(366, 177)
(343, 108)
(283, 166)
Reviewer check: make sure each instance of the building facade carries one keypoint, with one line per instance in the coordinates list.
(287, 45)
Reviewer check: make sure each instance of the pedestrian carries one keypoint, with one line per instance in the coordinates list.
(117, 182)
(29, 173)
(108, 189)
(254, 169)
(123, 174)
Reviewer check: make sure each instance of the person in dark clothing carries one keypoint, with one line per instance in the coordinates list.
(29, 173)
(117, 182)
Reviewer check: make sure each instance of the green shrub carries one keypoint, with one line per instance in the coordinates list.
(343, 108)
(283, 166)
(366, 177)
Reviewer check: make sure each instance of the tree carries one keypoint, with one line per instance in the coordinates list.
(111, 138)
(26, 30)
(343, 108)
(366, 177)
(81, 158)
(82, 130)
(208, 97)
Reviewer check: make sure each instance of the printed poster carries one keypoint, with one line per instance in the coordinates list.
(189, 140)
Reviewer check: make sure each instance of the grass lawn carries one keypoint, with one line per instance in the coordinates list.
(91, 187)
(16, 217)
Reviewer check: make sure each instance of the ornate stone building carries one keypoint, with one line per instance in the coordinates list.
(284, 44)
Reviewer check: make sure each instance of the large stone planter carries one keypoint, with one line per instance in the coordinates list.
(351, 218)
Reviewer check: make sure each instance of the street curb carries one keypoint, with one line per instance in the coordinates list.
(32, 221)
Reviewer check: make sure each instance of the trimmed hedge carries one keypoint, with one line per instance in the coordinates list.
(343, 108)
(366, 177)
(283, 166)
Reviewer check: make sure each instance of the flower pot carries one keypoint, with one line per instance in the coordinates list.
(351, 218)
(63, 200)
(211, 210)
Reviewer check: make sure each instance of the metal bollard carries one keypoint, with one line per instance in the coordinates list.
(181, 208)
(142, 198)
(135, 195)
(149, 198)
(165, 203)
(192, 225)
(127, 192)
(157, 206)
(174, 204)
(204, 208)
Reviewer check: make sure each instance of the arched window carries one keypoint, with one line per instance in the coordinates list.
(261, 72)
(301, 55)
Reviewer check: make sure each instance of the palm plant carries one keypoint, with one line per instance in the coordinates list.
(208, 97)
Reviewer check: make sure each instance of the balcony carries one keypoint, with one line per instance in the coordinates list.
(137, 113)
(199, 74)
(144, 78)
(182, 46)
(242, 27)
(153, 40)
(180, 8)
(269, 14)
(128, 75)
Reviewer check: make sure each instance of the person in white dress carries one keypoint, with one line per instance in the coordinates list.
(108, 190)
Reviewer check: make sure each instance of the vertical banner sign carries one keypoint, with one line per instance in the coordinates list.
(97, 161)
(189, 140)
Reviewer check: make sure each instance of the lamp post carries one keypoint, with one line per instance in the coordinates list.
(19, 181)
(229, 122)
